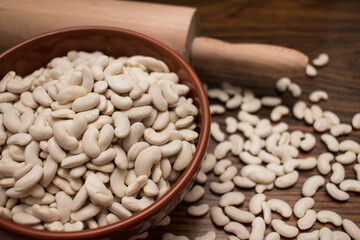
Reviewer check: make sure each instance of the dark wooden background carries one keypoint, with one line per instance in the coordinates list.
(312, 27)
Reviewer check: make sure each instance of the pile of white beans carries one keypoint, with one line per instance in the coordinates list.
(90, 139)
(269, 152)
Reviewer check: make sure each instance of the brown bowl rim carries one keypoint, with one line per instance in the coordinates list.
(185, 177)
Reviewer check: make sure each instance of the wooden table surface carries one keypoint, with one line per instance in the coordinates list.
(312, 27)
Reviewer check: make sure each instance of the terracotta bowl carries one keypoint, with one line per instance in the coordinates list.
(38, 51)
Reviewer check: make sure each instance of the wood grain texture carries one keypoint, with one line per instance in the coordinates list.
(311, 27)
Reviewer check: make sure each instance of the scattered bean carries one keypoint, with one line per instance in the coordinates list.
(321, 60)
(336, 193)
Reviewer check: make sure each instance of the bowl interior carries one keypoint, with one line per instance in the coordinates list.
(38, 51)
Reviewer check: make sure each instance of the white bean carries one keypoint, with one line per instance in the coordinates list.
(221, 188)
(216, 132)
(194, 194)
(323, 164)
(325, 233)
(243, 182)
(266, 212)
(338, 174)
(91, 147)
(55, 226)
(183, 158)
(314, 235)
(247, 158)
(237, 142)
(87, 79)
(340, 129)
(45, 213)
(349, 145)
(351, 229)
(336, 193)
(238, 229)
(211, 235)
(86, 212)
(260, 188)
(311, 185)
(284, 229)
(85, 103)
(25, 218)
(135, 205)
(146, 159)
(308, 220)
(272, 141)
(282, 84)
(170, 236)
(331, 142)
(263, 128)
(310, 71)
(357, 170)
(326, 216)
(308, 116)
(270, 101)
(198, 210)
(278, 112)
(284, 139)
(231, 125)
(222, 149)
(251, 106)
(217, 93)
(356, 121)
(258, 229)
(229, 174)
(280, 206)
(239, 215)
(295, 90)
(299, 109)
(268, 158)
(273, 236)
(321, 60)
(307, 163)
(245, 128)
(346, 158)
(244, 116)
(302, 205)
(218, 217)
(255, 203)
(339, 235)
(308, 143)
(350, 185)
(208, 163)
(10, 75)
(217, 109)
(258, 173)
(317, 112)
(234, 102)
(318, 95)
(287, 180)
(322, 124)
(63, 201)
(135, 185)
(29, 179)
(231, 198)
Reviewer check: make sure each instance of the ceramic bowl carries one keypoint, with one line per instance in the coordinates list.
(36, 52)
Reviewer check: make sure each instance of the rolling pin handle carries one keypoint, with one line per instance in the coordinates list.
(242, 58)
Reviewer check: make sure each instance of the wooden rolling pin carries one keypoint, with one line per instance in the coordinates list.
(175, 26)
